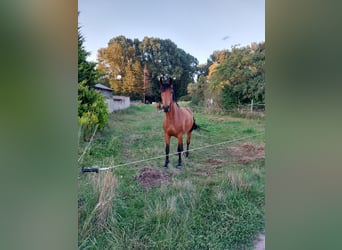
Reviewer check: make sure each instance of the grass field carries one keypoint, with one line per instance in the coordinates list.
(215, 202)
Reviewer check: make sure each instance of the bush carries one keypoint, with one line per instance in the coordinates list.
(229, 98)
(92, 110)
(195, 100)
(184, 98)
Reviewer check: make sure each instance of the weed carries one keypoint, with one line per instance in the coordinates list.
(104, 186)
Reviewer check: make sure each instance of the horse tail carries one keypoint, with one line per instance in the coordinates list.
(194, 126)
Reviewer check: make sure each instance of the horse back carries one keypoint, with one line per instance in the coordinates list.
(187, 113)
(189, 110)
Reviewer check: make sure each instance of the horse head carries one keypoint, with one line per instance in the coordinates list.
(166, 90)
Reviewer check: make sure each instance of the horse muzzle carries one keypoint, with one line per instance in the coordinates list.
(166, 108)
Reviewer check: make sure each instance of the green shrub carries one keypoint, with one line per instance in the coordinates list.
(92, 110)
(229, 98)
(195, 100)
(185, 98)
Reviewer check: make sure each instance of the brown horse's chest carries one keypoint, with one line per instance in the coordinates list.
(177, 125)
(172, 129)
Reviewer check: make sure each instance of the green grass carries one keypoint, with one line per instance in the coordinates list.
(212, 203)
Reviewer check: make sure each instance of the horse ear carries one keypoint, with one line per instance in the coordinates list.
(161, 80)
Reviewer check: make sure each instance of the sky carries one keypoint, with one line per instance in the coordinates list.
(199, 27)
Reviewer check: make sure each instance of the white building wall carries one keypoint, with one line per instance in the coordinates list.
(121, 102)
(110, 104)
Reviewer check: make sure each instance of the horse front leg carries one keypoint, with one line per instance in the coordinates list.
(187, 144)
(167, 149)
(180, 150)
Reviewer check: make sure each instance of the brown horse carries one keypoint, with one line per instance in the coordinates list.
(177, 121)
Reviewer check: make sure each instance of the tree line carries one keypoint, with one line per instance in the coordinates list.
(133, 67)
(231, 78)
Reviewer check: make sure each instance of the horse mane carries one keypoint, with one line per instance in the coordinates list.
(164, 87)
(174, 98)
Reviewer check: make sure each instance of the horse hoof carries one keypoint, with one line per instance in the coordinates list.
(179, 167)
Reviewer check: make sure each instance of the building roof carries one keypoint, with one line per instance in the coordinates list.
(100, 86)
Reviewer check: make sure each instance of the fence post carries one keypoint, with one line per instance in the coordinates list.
(252, 106)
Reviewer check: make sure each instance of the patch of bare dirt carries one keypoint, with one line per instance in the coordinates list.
(243, 153)
(215, 161)
(247, 152)
(149, 177)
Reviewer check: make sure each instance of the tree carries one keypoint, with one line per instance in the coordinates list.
(236, 76)
(86, 70)
(133, 83)
(197, 90)
(137, 83)
(92, 109)
(120, 64)
(141, 63)
(147, 84)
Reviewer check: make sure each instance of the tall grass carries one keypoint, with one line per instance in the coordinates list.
(103, 186)
(212, 203)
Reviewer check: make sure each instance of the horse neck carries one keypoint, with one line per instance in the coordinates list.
(174, 109)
